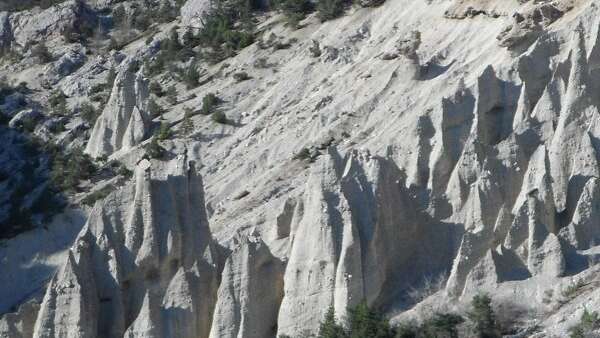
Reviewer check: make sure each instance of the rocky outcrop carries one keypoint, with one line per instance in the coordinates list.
(39, 25)
(352, 172)
(124, 122)
(250, 292)
(192, 11)
(356, 214)
(143, 266)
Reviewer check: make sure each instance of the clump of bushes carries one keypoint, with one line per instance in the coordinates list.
(588, 325)
(331, 9)
(153, 148)
(58, 103)
(88, 113)
(41, 53)
(226, 29)
(97, 195)
(69, 168)
(164, 131)
(219, 117)
(209, 104)
(154, 109)
(294, 10)
(241, 76)
(22, 5)
(364, 322)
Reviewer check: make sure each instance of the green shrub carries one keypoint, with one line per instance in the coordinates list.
(164, 131)
(441, 325)
(241, 76)
(366, 322)
(172, 94)
(88, 113)
(22, 5)
(154, 109)
(191, 77)
(482, 316)
(587, 326)
(97, 195)
(226, 29)
(294, 10)
(156, 89)
(331, 9)
(219, 117)
(153, 148)
(329, 328)
(58, 102)
(209, 104)
(41, 52)
(69, 168)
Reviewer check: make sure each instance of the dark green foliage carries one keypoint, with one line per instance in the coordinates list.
(69, 168)
(191, 77)
(219, 117)
(40, 51)
(167, 12)
(303, 154)
(58, 103)
(164, 131)
(331, 9)
(21, 5)
(157, 65)
(97, 195)
(156, 89)
(226, 29)
(407, 330)
(88, 113)
(153, 149)
(241, 76)
(99, 88)
(119, 16)
(172, 94)
(23, 181)
(154, 109)
(482, 316)
(588, 324)
(365, 322)
(209, 104)
(294, 10)
(329, 327)
(443, 325)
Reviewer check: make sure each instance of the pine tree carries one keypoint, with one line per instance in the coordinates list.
(329, 328)
(191, 77)
(365, 322)
(172, 95)
(154, 109)
(482, 316)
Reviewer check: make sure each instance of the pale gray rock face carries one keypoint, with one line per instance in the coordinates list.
(69, 61)
(143, 266)
(38, 25)
(192, 10)
(124, 122)
(349, 175)
(250, 292)
(5, 31)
